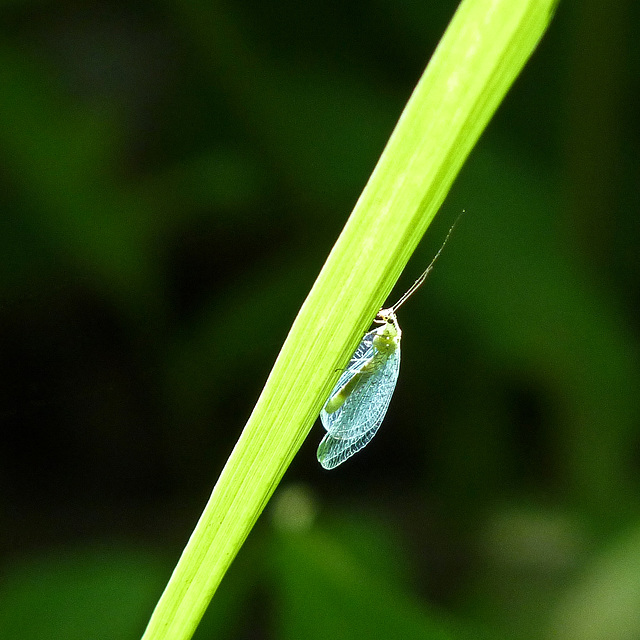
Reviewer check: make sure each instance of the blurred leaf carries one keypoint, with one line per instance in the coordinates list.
(324, 592)
(524, 554)
(547, 316)
(78, 594)
(203, 370)
(604, 602)
(321, 128)
(57, 153)
(106, 592)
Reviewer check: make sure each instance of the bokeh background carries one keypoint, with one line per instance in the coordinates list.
(172, 177)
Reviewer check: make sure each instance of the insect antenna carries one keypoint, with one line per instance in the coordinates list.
(418, 283)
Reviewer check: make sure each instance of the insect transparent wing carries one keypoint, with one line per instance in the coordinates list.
(362, 354)
(359, 357)
(368, 401)
(353, 425)
(334, 451)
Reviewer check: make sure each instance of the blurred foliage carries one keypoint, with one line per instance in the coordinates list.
(173, 176)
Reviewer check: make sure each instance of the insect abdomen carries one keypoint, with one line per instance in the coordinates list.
(340, 397)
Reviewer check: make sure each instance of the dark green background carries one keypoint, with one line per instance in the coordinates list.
(172, 177)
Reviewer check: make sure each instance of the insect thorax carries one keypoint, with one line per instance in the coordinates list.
(387, 337)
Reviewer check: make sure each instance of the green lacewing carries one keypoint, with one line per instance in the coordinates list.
(359, 401)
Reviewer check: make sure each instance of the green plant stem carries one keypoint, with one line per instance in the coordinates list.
(483, 50)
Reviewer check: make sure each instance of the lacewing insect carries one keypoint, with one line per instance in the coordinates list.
(358, 403)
